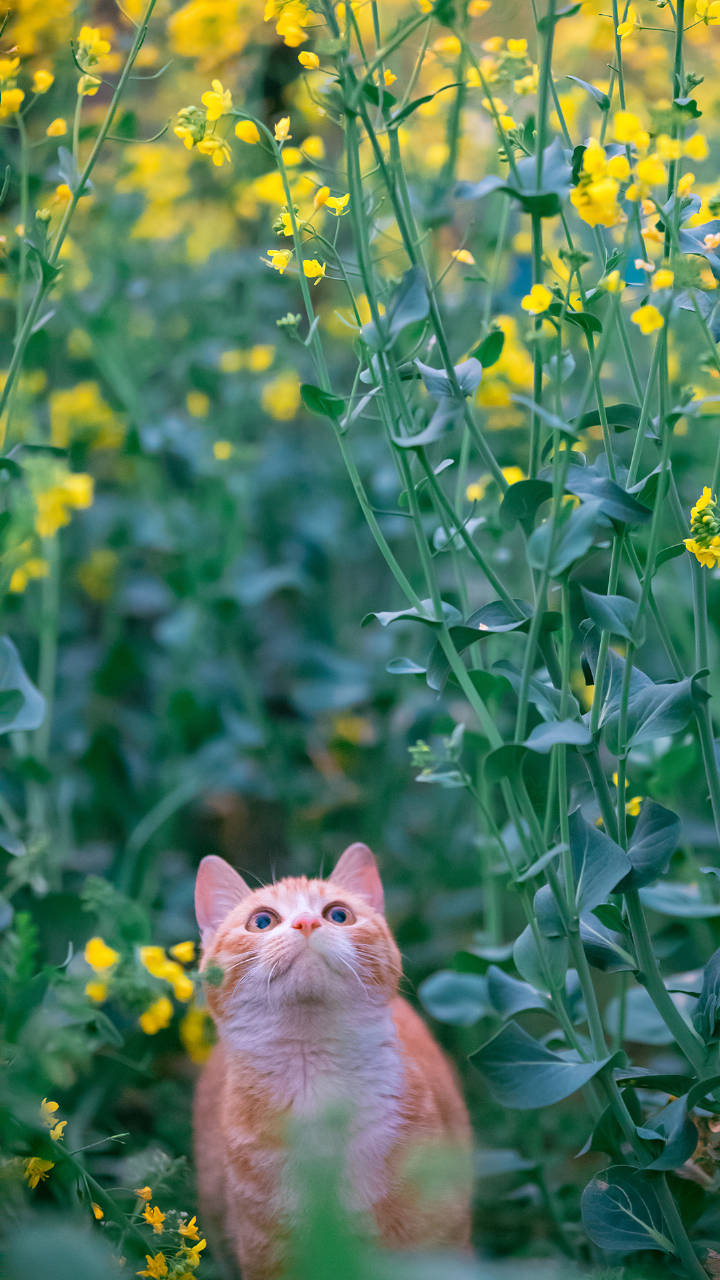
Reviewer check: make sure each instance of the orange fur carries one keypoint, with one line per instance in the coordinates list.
(309, 1019)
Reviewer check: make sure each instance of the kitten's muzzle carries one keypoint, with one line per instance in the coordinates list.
(306, 922)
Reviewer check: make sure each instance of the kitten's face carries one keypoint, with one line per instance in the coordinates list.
(298, 941)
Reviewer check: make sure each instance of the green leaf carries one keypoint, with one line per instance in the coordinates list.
(655, 838)
(322, 402)
(521, 501)
(573, 539)
(504, 762)
(623, 417)
(643, 1024)
(372, 93)
(404, 667)
(521, 1073)
(621, 1212)
(398, 116)
(676, 899)
(458, 998)
(488, 351)
(545, 201)
(545, 736)
(615, 502)
(598, 863)
(605, 947)
(615, 614)
(601, 98)
(675, 1130)
(21, 705)
(670, 553)
(450, 613)
(508, 995)
(438, 383)
(410, 304)
(546, 971)
(706, 1017)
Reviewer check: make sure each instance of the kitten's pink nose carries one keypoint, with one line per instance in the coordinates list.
(306, 923)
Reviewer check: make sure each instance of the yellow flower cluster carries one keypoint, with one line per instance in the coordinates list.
(57, 1127)
(186, 1259)
(37, 1170)
(596, 195)
(92, 52)
(102, 959)
(705, 528)
(11, 97)
(291, 18)
(55, 502)
(160, 966)
(82, 413)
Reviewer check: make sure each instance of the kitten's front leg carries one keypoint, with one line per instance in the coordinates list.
(257, 1224)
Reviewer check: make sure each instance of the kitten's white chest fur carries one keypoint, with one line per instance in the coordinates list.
(339, 1073)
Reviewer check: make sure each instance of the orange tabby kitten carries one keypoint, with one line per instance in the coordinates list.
(309, 1018)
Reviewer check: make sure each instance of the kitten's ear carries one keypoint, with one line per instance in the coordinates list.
(218, 888)
(357, 870)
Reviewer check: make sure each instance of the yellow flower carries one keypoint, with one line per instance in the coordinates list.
(246, 131)
(697, 147)
(99, 955)
(57, 128)
(42, 80)
(92, 47)
(464, 256)
(313, 269)
(278, 259)
(216, 101)
(9, 68)
(57, 1130)
(633, 806)
(618, 167)
(388, 77)
(157, 1016)
(216, 148)
(88, 86)
(647, 319)
(48, 1109)
(53, 504)
(37, 1170)
(337, 204)
(309, 61)
(282, 130)
(198, 404)
(651, 170)
(627, 127)
(10, 102)
(705, 526)
(629, 23)
(156, 1267)
(260, 357)
(280, 396)
(192, 1252)
(222, 450)
(537, 300)
(154, 1218)
(33, 568)
(189, 1229)
(314, 147)
(613, 282)
(662, 279)
(145, 1193)
(185, 951)
(320, 197)
(96, 991)
(97, 1211)
(707, 11)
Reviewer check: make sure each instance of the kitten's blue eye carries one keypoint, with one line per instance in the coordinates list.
(261, 920)
(339, 915)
